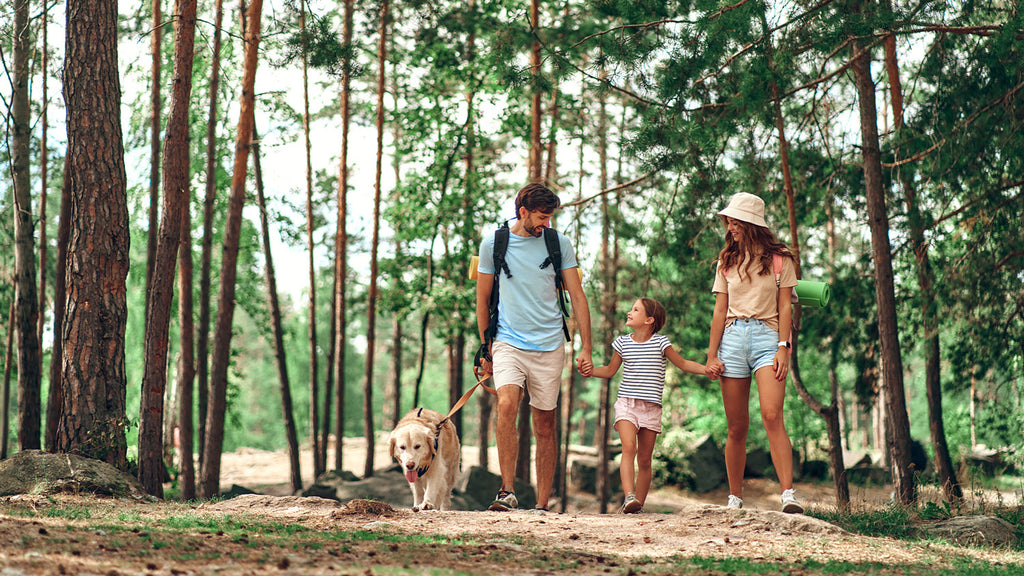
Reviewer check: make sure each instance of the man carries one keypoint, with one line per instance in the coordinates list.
(528, 350)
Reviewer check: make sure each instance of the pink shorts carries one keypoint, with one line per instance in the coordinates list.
(640, 413)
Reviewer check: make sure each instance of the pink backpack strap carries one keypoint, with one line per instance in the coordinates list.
(777, 265)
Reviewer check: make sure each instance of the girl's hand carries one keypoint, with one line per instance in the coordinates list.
(781, 363)
(714, 368)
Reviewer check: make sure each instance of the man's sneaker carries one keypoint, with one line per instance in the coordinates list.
(790, 504)
(734, 502)
(504, 501)
(631, 505)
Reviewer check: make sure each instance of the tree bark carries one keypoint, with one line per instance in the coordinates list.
(536, 152)
(339, 339)
(203, 342)
(27, 308)
(55, 403)
(156, 42)
(186, 362)
(176, 178)
(44, 183)
(287, 411)
(926, 281)
(898, 430)
(5, 393)
(93, 417)
(210, 473)
(371, 305)
(607, 313)
(314, 388)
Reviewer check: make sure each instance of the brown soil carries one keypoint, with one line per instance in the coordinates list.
(284, 534)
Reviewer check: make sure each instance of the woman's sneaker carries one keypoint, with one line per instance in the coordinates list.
(631, 505)
(504, 501)
(790, 504)
(734, 502)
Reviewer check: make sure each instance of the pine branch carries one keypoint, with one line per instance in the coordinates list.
(582, 201)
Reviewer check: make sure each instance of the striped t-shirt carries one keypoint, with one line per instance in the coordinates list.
(643, 372)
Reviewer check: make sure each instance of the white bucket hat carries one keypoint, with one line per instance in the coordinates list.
(746, 207)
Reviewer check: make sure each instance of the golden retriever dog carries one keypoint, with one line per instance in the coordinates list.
(430, 454)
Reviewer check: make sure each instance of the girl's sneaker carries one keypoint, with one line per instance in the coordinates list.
(734, 502)
(631, 505)
(790, 504)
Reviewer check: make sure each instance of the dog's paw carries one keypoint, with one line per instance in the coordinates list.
(428, 506)
(415, 508)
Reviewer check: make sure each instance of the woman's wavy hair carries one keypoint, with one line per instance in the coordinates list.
(756, 239)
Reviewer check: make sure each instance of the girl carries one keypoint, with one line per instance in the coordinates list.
(750, 334)
(638, 408)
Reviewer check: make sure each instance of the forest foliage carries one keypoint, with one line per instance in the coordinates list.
(679, 90)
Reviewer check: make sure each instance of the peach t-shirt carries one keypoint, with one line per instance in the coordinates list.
(753, 296)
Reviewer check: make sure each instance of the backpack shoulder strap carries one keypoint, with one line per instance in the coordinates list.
(554, 259)
(501, 236)
(777, 265)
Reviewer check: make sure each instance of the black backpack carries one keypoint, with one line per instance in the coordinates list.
(501, 236)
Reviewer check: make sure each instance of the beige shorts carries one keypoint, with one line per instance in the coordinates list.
(540, 373)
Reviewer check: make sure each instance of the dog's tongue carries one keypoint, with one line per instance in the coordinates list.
(411, 476)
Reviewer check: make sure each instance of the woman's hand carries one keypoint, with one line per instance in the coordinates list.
(714, 368)
(781, 363)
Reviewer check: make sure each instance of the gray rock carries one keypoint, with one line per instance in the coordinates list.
(37, 472)
(480, 487)
(975, 530)
(583, 476)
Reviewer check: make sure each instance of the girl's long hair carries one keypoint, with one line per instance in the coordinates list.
(755, 239)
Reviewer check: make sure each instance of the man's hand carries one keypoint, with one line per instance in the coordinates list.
(584, 363)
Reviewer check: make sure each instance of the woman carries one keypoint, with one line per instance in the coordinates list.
(752, 312)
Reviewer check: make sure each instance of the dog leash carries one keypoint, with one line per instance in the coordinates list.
(465, 397)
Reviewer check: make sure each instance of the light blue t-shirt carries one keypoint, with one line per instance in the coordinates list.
(528, 314)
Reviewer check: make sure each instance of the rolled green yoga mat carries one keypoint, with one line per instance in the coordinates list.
(813, 293)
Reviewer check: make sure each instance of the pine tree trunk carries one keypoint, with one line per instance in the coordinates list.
(314, 400)
(27, 307)
(44, 182)
(287, 411)
(186, 362)
(536, 152)
(5, 393)
(339, 338)
(203, 341)
(93, 417)
(371, 305)
(210, 473)
(898, 433)
(156, 42)
(55, 402)
(926, 281)
(177, 191)
(607, 313)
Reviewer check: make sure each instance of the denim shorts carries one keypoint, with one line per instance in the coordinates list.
(747, 346)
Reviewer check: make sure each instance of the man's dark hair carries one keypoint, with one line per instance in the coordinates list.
(536, 196)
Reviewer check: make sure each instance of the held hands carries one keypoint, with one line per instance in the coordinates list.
(584, 364)
(714, 368)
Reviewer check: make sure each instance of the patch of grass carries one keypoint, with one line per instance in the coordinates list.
(889, 522)
(69, 512)
(133, 517)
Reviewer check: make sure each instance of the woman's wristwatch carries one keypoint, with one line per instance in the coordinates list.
(786, 344)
